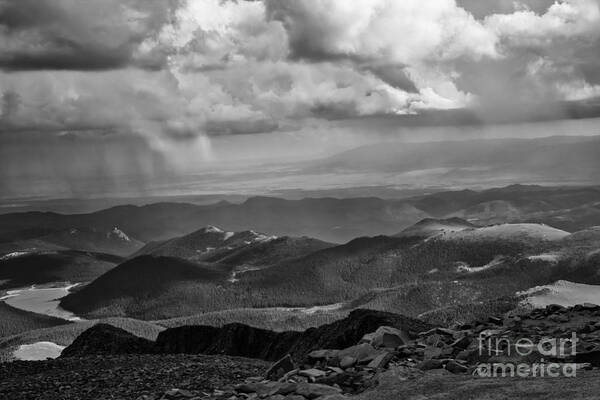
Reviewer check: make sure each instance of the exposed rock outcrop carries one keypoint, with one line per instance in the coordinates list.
(458, 351)
(231, 339)
(245, 341)
(104, 339)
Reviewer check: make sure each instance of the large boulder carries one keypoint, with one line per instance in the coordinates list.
(313, 390)
(361, 353)
(280, 368)
(386, 336)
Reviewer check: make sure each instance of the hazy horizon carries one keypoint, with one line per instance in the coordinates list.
(233, 98)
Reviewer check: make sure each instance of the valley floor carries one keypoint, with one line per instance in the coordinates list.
(41, 300)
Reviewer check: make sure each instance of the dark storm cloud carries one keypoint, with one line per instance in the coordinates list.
(240, 127)
(587, 60)
(76, 35)
(549, 111)
(483, 8)
(9, 105)
(67, 56)
(395, 76)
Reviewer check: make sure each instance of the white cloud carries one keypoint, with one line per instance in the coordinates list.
(571, 20)
(405, 32)
(251, 66)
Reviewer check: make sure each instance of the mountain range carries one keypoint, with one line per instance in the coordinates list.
(415, 274)
(332, 220)
(236, 248)
(466, 254)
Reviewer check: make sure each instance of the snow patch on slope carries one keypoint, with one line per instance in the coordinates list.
(212, 229)
(228, 235)
(261, 237)
(38, 351)
(510, 231)
(312, 310)
(561, 292)
(546, 257)
(14, 254)
(464, 267)
(119, 234)
(237, 271)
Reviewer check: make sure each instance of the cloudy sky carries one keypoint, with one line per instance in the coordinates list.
(96, 88)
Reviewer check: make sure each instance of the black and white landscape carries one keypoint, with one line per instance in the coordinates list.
(299, 199)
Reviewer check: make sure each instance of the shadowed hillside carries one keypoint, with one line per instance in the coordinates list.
(60, 266)
(235, 248)
(148, 283)
(14, 321)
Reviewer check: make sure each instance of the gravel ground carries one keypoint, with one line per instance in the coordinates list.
(440, 385)
(121, 377)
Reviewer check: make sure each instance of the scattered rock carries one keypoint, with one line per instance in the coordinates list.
(490, 332)
(554, 308)
(426, 365)
(314, 390)
(318, 355)
(381, 361)
(462, 342)
(386, 336)
(174, 394)
(432, 352)
(456, 367)
(470, 356)
(559, 318)
(362, 353)
(312, 373)
(280, 368)
(347, 362)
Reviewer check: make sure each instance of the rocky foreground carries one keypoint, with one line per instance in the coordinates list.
(388, 362)
(123, 376)
(483, 353)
